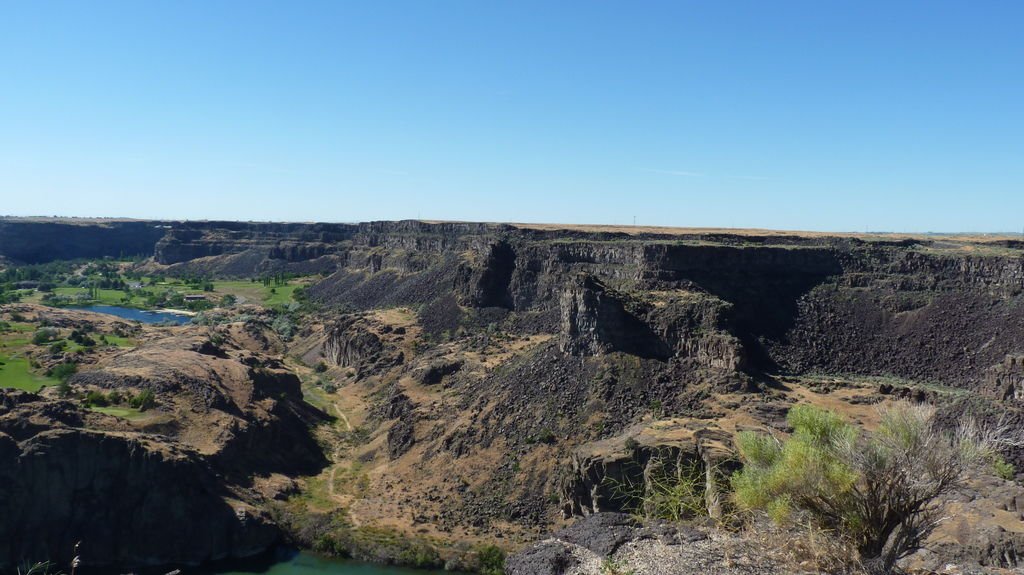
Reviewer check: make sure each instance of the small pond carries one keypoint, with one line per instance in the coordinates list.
(140, 315)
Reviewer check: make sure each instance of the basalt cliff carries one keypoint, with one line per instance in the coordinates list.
(491, 383)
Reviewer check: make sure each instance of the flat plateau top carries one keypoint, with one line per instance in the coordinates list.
(758, 232)
(965, 237)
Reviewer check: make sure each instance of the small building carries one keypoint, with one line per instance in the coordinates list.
(195, 297)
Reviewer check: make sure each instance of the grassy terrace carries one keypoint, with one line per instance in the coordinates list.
(122, 412)
(16, 373)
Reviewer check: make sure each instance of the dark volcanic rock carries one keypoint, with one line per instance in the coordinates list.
(1005, 381)
(401, 438)
(602, 533)
(434, 373)
(129, 500)
(595, 320)
(545, 558)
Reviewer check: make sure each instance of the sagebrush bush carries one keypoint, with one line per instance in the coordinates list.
(880, 490)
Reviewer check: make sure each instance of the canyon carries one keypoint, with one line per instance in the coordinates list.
(455, 385)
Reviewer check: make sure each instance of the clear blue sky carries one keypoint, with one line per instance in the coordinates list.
(902, 116)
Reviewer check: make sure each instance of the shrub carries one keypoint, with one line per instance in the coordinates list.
(64, 389)
(63, 371)
(668, 490)
(283, 326)
(145, 400)
(1003, 468)
(44, 336)
(543, 436)
(320, 367)
(492, 560)
(81, 338)
(879, 490)
(96, 399)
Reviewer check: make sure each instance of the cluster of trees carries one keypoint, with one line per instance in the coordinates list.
(49, 335)
(52, 272)
(199, 282)
(8, 295)
(276, 280)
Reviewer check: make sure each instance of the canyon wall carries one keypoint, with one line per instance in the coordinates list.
(941, 310)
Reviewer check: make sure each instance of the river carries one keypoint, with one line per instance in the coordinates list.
(301, 563)
(279, 562)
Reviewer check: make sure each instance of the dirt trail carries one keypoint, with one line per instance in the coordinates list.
(348, 426)
(337, 454)
(337, 464)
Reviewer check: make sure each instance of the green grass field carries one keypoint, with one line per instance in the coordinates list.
(256, 292)
(246, 291)
(120, 341)
(15, 373)
(122, 412)
(282, 296)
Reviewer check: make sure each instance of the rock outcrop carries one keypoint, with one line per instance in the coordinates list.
(130, 499)
(1005, 381)
(622, 473)
(615, 542)
(596, 320)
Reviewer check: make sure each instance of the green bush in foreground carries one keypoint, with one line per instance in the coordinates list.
(879, 490)
(492, 560)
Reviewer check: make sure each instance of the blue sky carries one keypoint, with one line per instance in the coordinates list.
(900, 116)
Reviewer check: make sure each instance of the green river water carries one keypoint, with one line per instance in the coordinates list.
(281, 562)
(307, 564)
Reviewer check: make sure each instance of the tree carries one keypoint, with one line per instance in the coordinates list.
(880, 490)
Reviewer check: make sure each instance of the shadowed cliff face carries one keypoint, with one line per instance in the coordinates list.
(129, 500)
(43, 241)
